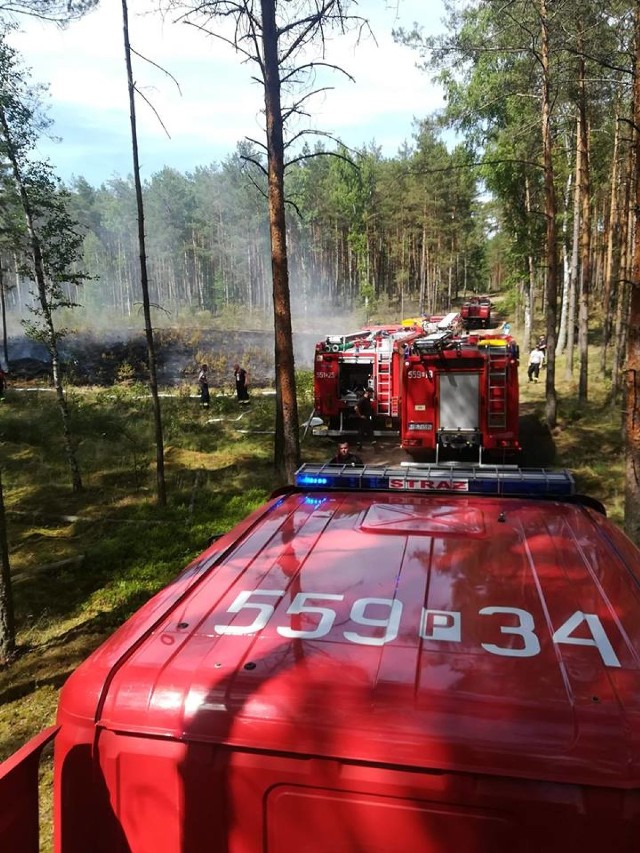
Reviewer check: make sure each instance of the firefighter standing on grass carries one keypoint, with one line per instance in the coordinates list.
(240, 375)
(535, 360)
(203, 386)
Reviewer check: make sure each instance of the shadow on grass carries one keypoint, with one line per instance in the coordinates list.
(18, 690)
(538, 446)
(58, 658)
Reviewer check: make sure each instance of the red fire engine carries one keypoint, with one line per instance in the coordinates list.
(460, 392)
(378, 659)
(370, 358)
(476, 313)
(346, 364)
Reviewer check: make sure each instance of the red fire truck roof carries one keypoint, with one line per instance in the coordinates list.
(395, 616)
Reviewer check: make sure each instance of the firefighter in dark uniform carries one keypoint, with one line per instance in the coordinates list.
(364, 413)
(344, 456)
(240, 376)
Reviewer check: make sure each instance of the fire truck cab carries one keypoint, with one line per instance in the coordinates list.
(460, 393)
(378, 659)
(345, 365)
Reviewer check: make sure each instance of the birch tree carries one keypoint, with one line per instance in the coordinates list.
(52, 242)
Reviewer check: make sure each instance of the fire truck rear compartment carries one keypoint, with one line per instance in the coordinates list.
(459, 409)
(353, 378)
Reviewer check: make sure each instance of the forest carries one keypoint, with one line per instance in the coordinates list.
(525, 187)
(541, 102)
(390, 231)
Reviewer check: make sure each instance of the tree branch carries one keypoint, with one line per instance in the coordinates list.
(311, 66)
(154, 110)
(159, 67)
(337, 154)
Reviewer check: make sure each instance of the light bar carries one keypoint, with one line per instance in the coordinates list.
(474, 479)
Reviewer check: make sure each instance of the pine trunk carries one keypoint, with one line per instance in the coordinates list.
(632, 403)
(550, 209)
(287, 438)
(612, 251)
(144, 282)
(585, 240)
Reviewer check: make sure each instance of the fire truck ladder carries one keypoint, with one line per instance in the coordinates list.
(383, 383)
(497, 396)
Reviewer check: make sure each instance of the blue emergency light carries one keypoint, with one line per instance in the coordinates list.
(473, 479)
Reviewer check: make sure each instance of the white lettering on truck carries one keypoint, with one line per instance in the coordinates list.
(435, 625)
(431, 485)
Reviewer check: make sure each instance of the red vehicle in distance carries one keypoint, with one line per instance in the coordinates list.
(476, 313)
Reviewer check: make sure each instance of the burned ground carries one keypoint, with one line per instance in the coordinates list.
(92, 359)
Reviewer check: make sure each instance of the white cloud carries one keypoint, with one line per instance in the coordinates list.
(219, 104)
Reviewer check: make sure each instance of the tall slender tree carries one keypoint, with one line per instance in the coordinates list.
(632, 408)
(278, 37)
(144, 281)
(7, 620)
(550, 211)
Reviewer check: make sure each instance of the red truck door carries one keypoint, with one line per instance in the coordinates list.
(326, 384)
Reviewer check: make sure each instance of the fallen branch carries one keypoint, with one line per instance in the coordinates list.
(58, 564)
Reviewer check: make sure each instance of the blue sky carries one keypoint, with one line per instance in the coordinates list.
(218, 104)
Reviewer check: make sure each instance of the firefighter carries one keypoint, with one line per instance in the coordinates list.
(240, 376)
(364, 412)
(542, 344)
(535, 360)
(203, 386)
(344, 456)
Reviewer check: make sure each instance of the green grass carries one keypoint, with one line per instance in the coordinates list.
(588, 437)
(82, 563)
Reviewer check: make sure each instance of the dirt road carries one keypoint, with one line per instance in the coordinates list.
(538, 448)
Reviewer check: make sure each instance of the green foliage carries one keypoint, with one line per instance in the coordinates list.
(49, 245)
(368, 297)
(125, 374)
(304, 386)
